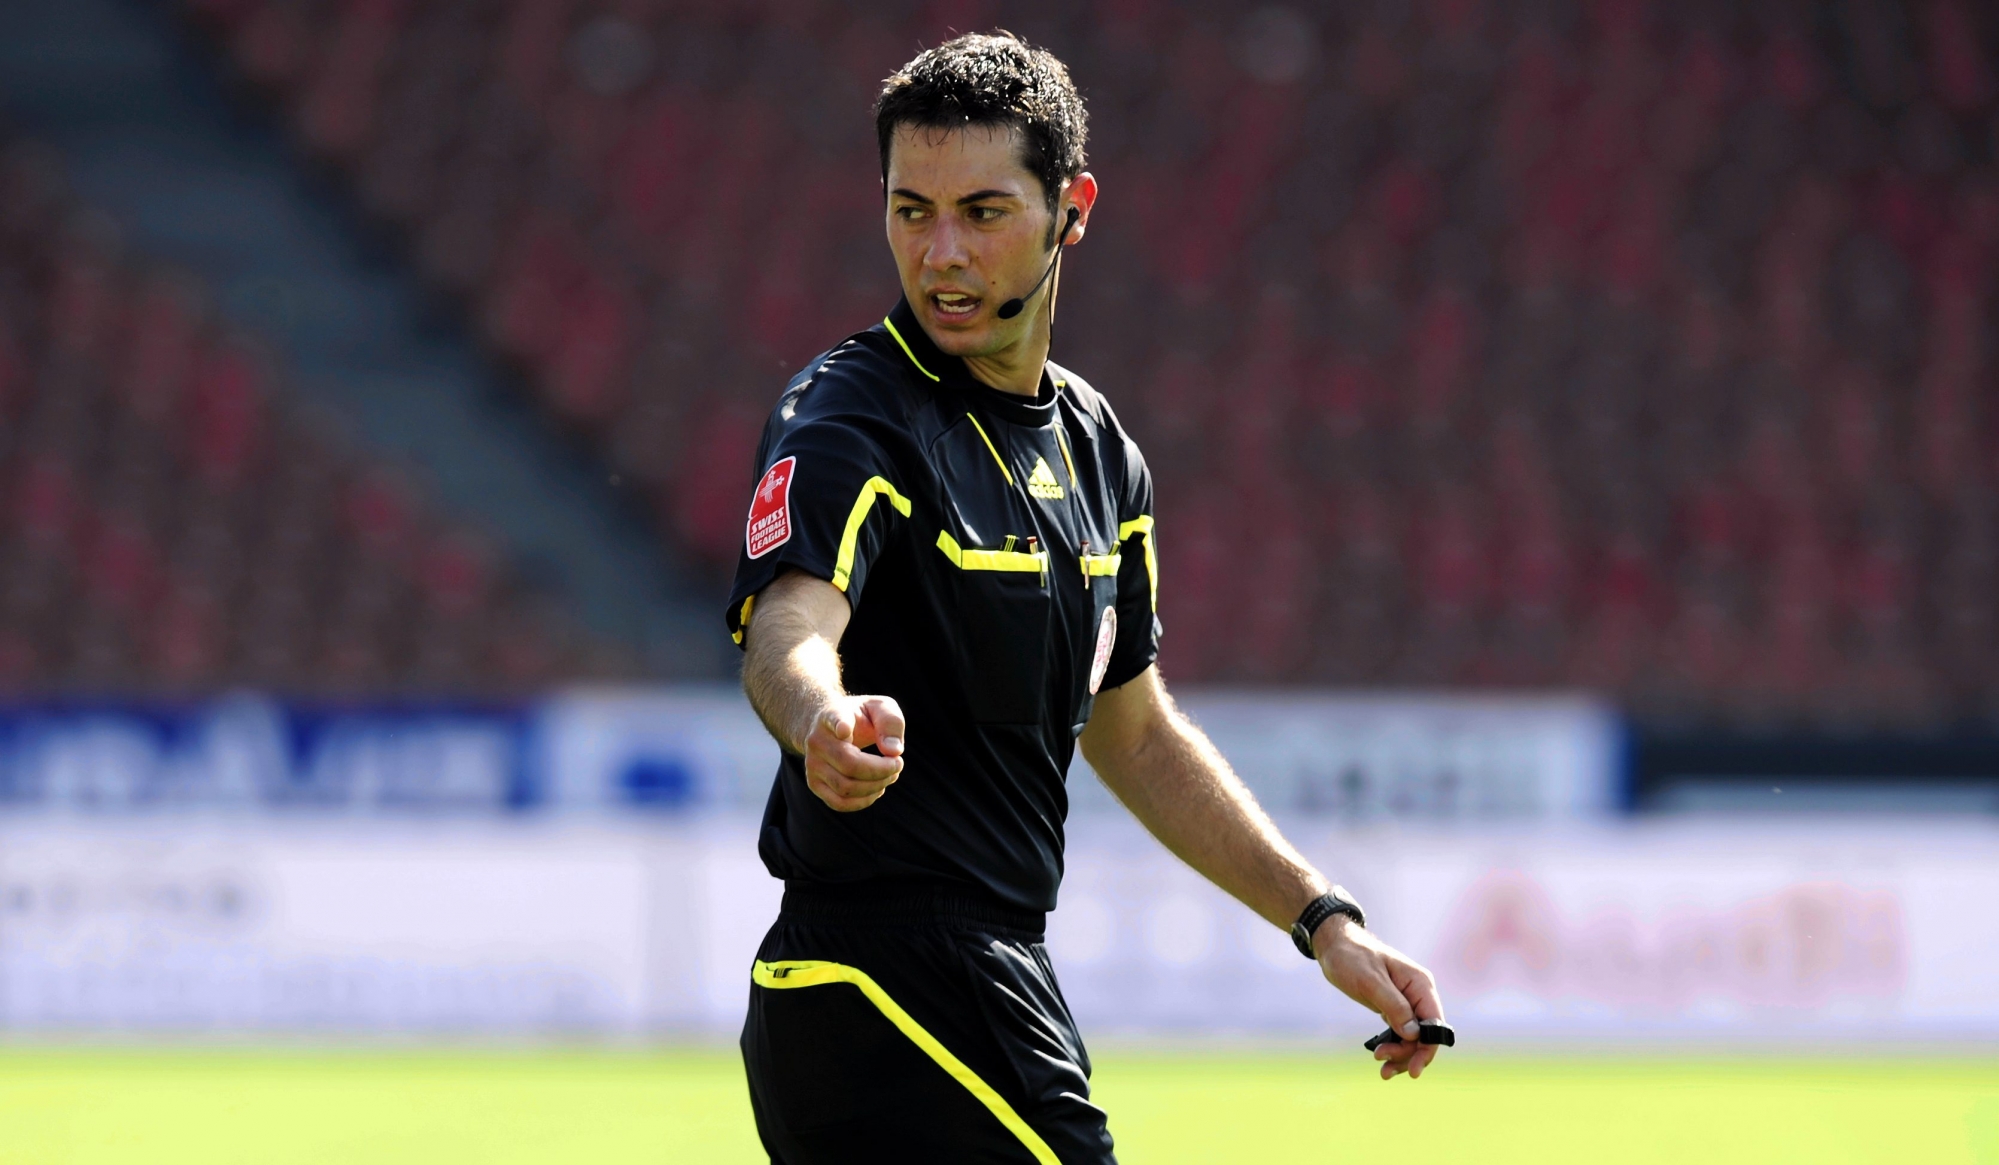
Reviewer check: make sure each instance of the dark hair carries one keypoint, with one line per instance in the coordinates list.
(992, 79)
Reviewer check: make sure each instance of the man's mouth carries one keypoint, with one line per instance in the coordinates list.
(954, 305)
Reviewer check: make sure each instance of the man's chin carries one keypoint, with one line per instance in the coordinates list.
(972, 337)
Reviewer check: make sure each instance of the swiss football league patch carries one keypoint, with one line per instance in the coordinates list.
(770, 510)
(1106, 639)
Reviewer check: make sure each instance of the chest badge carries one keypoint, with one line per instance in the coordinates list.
(1106, 639)
(1041, 483)
(770, 511)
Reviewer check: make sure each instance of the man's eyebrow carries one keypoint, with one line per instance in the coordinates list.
(913, 196)
(985, 195)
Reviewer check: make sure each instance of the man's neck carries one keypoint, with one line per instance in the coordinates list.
(1017, 369)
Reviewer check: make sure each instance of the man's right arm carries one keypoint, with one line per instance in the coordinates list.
(791, 673)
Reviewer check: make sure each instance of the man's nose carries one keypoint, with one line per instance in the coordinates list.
(947, 250)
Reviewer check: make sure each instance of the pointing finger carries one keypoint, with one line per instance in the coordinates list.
(885, 716)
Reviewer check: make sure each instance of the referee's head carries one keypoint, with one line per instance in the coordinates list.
(982, 160)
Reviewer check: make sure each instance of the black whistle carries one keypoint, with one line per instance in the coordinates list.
(1427, 1032)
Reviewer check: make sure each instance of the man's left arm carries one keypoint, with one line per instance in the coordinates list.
(1166, 771)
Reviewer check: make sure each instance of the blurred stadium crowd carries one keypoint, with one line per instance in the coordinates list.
(1638, 347)
(170, 526)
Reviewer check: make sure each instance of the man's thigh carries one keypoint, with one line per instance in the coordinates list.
(876, 1046)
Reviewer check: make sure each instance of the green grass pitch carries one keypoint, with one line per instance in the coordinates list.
(227, 1106)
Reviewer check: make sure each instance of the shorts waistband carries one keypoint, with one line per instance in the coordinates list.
(895, 904)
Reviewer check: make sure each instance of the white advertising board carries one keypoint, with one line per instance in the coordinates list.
(1580, 934)
(1669, 931)
(257, 925)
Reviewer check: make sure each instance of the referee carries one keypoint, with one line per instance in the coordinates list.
(952, 537)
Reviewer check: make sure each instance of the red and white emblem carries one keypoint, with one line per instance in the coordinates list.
(770, 510)
(1106, 639)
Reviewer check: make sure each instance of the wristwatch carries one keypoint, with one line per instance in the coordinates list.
(1333, 901)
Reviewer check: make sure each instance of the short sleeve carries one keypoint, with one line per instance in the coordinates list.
(826, 501)
(1138, 631)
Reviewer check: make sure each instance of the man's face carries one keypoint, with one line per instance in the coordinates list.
(969, 228)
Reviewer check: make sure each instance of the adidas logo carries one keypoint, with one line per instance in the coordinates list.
(1041, 483)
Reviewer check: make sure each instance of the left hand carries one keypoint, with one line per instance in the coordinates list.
(1384, 980)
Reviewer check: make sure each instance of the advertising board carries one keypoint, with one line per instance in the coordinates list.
(1592, 934)
(699, 748)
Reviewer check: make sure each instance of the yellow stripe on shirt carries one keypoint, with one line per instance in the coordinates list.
(843, 564)
(1142, 526)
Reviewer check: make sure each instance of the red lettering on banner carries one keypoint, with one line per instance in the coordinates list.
(770, 510)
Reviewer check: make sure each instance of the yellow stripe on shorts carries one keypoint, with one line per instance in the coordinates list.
(814, 973)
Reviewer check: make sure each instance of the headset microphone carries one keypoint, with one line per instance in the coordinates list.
(1011, 307)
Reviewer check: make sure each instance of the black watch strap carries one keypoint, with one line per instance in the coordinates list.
(1333, 901)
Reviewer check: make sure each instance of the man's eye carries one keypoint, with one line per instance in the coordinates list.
(986, 213)
(909, 213)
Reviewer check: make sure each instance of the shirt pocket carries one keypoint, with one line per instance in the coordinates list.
(1004, 610)
(1092, 636)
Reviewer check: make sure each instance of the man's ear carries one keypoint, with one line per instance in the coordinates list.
(1082, 195)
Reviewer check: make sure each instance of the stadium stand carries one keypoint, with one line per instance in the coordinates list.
(171, 525)
(1633, 346)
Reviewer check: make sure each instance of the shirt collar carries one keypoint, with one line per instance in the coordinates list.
(932, 365)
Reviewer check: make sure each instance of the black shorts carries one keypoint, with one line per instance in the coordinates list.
(893, 1024)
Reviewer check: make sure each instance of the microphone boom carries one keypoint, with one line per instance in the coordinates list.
(1011, 307)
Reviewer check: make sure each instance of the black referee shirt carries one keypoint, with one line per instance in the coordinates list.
(998, 555)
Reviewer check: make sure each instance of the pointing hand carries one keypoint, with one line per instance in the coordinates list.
(836, 770)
